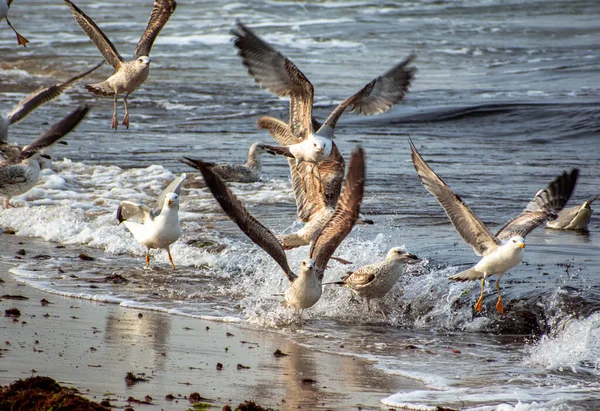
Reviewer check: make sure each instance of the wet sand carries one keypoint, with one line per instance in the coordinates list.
(92, 346)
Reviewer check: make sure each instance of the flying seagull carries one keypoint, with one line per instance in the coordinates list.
(20, 167)
(505, 249)
(574, 218)
(128, 75)
(376, 280)
(306, 287)
(36, 99)
(4, 6)
(275, 72)
(158, 227)
(246, 173)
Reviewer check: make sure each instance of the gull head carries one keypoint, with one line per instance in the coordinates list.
(143, 61)
(400, 254)
(517, 242)
(171, 200)
(307, 266)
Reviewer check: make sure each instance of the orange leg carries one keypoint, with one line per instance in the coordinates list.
(148, 258)
(20, 39)
(479, 304)
(115, 123)
(171, 259)
(499, 306)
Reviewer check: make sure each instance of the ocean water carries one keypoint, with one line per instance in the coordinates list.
(505, 99)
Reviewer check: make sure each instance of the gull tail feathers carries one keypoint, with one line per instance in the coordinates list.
(100, 89)
(468, 275)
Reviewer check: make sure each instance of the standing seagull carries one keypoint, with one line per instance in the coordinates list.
(574, 218)
(376, 280)
(306, 288)
(505, 249)
(4, 6)
(280, 76)
(158, 228)
(128, 75)
(20, 167)
(36, 99)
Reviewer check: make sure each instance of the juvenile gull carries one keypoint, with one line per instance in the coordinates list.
(20, 167)
(36, 99)
(246, 173)
(505, 249)
(280, 76)
(306, 287)
(157, 228)
(128, 75)
(574, 218)
(4, 6)
(376, 280)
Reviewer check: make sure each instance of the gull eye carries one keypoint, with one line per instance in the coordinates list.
(314, 144)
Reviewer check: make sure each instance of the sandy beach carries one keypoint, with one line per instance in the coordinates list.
(92, 346)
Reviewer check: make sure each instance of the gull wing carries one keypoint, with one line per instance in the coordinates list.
(275, 72)
(161, 12)
(362, 276)
(546, 205)
(280, 130)
(257, 232)
(174, 187)
(379, 95)
(128, 210)
(107, 49)
(345, 215)
(57, 131)
(469, 226)
(44, 95)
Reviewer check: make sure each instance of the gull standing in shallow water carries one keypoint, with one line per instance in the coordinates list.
(376, 280)
(4, 6)
(305, 288)
(574, 218)
(128, 75)
(158, 228)
(20, 167)
(275, 72)
(505, 249)
(247, 173)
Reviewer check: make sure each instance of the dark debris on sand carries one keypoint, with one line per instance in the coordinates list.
(43, 394)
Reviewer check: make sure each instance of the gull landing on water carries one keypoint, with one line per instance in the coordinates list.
(305, 288)
(4, 6)
(157, 228)
(278, 74)
(20, 167)
(128, 75)
(505, 249)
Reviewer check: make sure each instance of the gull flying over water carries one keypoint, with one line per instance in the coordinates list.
(246, 173)
(36, 99)
(4, 6)
(376, 280)
(505, 249)
(158, 227)
(305, 287)
(20, 167)
(128, 75)
(574, 218)
(278, 74)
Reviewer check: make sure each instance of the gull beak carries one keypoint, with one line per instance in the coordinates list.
(522, 245)
(169, 202)
(320, 149)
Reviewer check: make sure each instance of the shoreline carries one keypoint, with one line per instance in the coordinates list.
(93, 345)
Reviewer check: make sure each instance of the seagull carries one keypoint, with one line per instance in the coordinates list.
(247, 173)
(574, 218)
(128, 75)
(376, 280)
(158, 228)
(505, 249)
(280, 76)
(36, 99)
(306, 287)
(20, 167)
(4, 6)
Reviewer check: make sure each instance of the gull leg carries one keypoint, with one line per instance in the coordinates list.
(368, 305)
(171, 259)
(147, 258)
(20, 39)
(114, 119)
(499, 306)
(479, 303)
(6, 203)
(126, 117)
